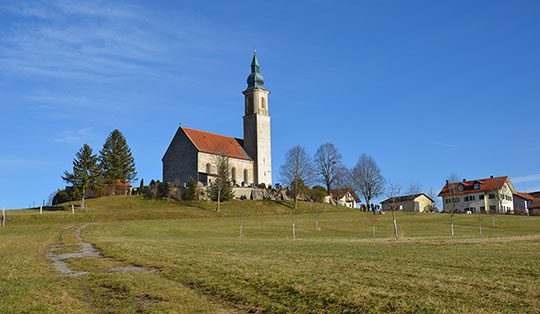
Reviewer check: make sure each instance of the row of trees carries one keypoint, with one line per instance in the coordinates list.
(326, 168)
(115, 162)
(300, 171)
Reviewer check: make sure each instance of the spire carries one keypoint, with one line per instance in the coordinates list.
(255, 79)
(254, 63)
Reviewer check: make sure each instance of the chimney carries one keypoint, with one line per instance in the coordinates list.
(446, 182)
(464, 180)
(491, 177)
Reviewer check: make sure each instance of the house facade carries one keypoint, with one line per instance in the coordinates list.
(411, 203)
(194, 154)
(345, 197)
(522, 201)
(492, 195)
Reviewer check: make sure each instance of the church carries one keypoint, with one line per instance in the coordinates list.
(193, 153)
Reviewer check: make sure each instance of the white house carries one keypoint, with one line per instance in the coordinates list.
(492, 195)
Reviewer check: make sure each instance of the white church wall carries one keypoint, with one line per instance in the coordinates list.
(239, 164)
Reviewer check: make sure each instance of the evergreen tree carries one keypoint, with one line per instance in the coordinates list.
(85, 173)
(191, 189)
(115, 159)
(222, 190)
(141, 186)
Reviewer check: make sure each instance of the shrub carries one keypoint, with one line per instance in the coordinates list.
(317, 193)
(191, 190)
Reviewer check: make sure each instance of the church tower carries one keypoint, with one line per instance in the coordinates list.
(257, 125)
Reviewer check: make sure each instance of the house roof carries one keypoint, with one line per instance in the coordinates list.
(486, 185)
(216, 144)
(525, 196)
(342, 193)
(405, 198)
(535, 204)
(119, 182)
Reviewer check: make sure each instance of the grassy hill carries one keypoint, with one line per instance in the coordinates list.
(204, 266)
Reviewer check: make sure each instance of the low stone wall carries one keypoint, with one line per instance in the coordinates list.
(249, 193)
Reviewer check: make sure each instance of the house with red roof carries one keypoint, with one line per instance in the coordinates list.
(345, 197)
(491, 195)
(194, 153)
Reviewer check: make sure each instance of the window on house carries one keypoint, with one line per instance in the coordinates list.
(473, 209)
(245, 177)
(233, 175)
(477, 186)
(456, 200)
(208, 167)
(472, 198)
(466, 199)
(491, 196)
(482, 208)
(481, 196)
(262, 102)
(492, 207)
(460, 187)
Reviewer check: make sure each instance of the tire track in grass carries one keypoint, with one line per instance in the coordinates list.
(108, 293)
(85, 249)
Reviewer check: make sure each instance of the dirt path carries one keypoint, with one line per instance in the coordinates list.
(103, 297)
(82, 250)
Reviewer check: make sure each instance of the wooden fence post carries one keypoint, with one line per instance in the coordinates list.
(4, 216)
(40, 210)
(73, 209)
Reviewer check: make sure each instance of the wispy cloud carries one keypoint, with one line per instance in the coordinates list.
(527, 178)
(446, 144)
(100, 40)
(79, 136)
(532, 189)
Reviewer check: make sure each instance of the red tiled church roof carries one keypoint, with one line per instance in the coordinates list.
(486, 185)
(216, 144)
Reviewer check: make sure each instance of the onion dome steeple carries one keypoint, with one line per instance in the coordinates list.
(255, 79)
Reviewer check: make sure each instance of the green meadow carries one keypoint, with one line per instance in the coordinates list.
(200, 264)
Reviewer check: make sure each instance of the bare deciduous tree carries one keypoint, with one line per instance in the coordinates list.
(451, 207)
(393, 192)
(342, 180)
(500, 196)
(367, 178)
(414, 187)
(297, 172)
(317, 210)
(326, 162)
(368, 181)
(480, 216)
(433, 195)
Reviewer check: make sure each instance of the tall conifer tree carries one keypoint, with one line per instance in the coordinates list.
(85, 174)
(116, 160)
(222, 190)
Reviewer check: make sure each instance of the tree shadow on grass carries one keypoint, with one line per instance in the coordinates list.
(283, 203)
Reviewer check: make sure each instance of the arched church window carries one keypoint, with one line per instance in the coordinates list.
(233, 174)
(262, 102)
(245, 176)
(208, 168)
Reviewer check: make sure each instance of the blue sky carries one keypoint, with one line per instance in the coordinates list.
(425, 87)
